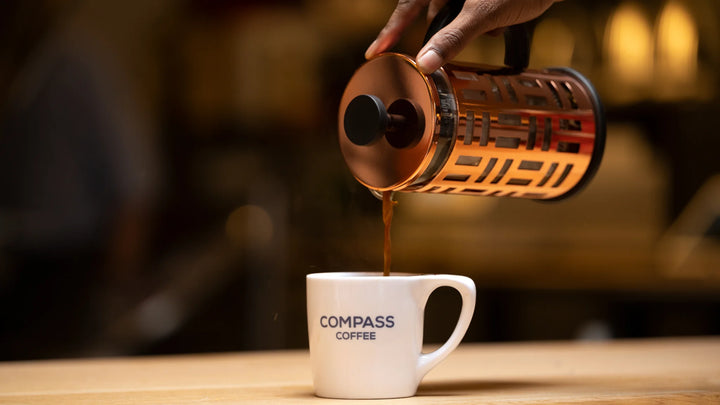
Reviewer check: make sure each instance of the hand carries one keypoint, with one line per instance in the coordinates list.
(477, 17)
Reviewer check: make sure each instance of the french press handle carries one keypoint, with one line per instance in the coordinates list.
(517, 37)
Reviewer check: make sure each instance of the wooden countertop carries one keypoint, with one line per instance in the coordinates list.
(685, 370)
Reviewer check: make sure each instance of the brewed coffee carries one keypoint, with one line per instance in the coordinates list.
(387, 215)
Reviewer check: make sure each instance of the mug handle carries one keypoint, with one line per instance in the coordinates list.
(466, 288)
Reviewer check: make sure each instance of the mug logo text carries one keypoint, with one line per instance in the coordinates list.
(355, 322)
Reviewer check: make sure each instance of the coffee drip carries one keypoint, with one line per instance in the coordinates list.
(387, 214)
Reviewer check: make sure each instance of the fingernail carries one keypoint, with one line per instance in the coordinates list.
(371, 50)
(429, 61)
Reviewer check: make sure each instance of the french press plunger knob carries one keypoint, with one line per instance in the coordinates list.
(366, 120)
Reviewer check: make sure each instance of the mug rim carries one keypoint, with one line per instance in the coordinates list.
(364, 275)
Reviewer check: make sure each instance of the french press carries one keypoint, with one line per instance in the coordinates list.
(471, 129)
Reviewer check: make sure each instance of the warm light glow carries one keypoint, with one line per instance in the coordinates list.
(553, 44)
(677, 42)
(629, 45)
(419, 207)
(249, 226)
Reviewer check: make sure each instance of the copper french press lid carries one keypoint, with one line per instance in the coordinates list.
(387, 122)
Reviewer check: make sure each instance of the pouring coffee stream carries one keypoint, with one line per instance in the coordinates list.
(387, 214)
(471, 129)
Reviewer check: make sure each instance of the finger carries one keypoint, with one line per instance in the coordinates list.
(450, 40)
(405, 12)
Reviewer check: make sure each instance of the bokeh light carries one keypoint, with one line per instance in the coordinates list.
(677, 44)
(249, 226)
(629, 45)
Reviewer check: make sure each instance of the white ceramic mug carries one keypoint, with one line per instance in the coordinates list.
(366, 331)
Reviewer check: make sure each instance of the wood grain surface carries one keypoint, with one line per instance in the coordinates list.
(655, 371)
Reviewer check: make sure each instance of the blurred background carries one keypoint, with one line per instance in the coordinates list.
(169, 172)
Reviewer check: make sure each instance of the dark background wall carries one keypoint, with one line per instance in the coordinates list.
(169, 172)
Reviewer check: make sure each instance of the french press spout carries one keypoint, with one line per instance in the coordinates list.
(471, 129)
